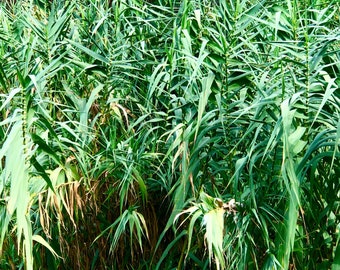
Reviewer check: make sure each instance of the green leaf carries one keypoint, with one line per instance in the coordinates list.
(204, 96)
(46, 148)
(89, 52)
(42, 173)
(37, 238)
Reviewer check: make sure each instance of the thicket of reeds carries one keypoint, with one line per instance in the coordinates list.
(192, 134)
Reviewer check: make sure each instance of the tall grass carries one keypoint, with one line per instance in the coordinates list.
(169, 134)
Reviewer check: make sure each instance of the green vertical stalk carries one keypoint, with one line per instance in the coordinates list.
(308, 72)
(291, 139)
(23, 211)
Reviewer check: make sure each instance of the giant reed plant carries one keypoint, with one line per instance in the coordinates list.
(169, 134)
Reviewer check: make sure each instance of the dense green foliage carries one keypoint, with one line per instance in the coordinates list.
(169, 134)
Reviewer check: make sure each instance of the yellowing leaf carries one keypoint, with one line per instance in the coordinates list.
(214, 225)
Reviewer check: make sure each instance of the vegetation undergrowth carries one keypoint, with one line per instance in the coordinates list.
(168, 134)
